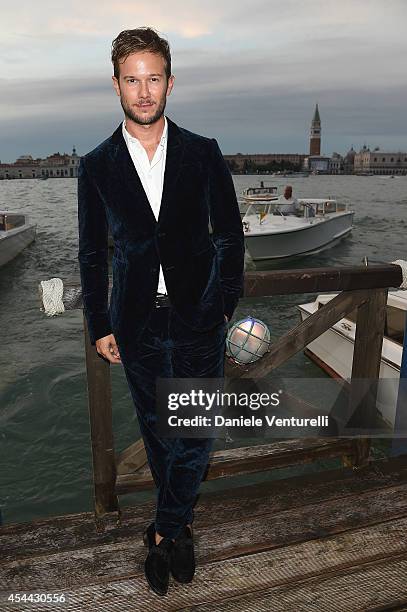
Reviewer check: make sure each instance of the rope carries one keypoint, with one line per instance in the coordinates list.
(403, 266)
(52, 292)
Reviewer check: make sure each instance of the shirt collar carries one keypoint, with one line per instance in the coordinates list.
(129, 138)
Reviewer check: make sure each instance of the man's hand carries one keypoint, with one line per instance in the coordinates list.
(106, 347)
(226, 319)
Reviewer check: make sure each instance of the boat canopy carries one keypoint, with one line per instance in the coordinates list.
(260, 190)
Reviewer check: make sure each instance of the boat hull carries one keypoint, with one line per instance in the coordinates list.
(311, 238)
(14, 241)
(333, 352)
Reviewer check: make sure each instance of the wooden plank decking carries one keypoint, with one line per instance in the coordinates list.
(331, 541)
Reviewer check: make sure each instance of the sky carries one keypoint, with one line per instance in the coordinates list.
(247, 72)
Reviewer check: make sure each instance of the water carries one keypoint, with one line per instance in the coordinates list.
(45, 453)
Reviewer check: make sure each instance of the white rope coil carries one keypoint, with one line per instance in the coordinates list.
(403, 266)
(52, 292)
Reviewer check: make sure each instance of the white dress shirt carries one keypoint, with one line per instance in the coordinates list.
(151, 175)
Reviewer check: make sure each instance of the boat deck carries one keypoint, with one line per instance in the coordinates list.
(327, 541)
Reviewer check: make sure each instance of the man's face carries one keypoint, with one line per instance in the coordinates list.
(288, 192)
(143, 87)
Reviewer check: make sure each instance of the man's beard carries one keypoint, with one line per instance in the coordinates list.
(140, 119)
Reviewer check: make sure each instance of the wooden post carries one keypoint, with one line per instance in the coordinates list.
(370, 323)
(100, 418)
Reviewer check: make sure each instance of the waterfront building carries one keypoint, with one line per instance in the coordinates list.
(336, 163)
(380, 162)
(349, 161)
(241, 163)
(317, 163)
(56, 165)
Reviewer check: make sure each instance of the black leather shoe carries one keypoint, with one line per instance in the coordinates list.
(157, 563)
(149, 535)
(182, 561)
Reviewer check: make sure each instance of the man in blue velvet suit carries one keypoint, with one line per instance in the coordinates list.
(156, 186)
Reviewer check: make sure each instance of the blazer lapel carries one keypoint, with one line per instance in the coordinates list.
(128, 174)
(175, 154)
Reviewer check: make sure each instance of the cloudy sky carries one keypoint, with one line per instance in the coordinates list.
(248, 72)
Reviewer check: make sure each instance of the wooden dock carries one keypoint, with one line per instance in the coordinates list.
(331, 541)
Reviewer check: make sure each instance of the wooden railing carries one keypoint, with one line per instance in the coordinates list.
(364, 288)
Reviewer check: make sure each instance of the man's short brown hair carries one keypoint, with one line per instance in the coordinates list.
(140, 39)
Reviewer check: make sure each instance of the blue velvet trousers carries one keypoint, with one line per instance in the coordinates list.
(170, 349)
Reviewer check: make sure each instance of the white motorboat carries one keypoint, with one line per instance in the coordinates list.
(317, 224)
(333, 350)
(16, 232)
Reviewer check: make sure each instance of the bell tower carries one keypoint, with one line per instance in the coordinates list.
(315, 134)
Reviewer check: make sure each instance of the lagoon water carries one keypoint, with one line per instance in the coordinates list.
(45, 454)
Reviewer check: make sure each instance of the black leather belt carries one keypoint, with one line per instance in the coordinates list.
(161, 300)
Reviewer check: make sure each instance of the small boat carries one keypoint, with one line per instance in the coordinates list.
(260, 194)
(16, 232)
(317, 224)
(333, 350)
(257, 195)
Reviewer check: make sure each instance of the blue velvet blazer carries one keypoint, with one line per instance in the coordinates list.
(203, 273)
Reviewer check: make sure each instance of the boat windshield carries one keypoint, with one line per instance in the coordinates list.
(9, 221)
(304, 207)
(257, 208)
(320, 206)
